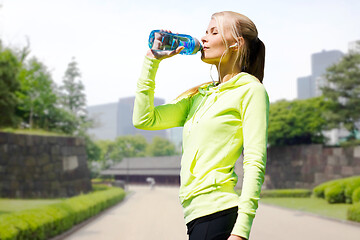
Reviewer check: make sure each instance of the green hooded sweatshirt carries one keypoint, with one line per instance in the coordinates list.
(218, 123)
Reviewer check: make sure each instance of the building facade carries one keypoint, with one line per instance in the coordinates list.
(305, 87)
(310, 86)
(115, 119)
(105, 117)
(164, 170)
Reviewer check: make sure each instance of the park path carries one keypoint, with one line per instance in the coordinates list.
(155, 214)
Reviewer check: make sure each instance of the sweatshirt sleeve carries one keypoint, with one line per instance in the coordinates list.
(255, 114)
(148, 117)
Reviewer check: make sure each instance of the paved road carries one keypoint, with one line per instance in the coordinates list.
(146, 215)
(156, 215)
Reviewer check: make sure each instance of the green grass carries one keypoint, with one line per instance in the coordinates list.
(40, 132)
(313, 205)
(13, 205)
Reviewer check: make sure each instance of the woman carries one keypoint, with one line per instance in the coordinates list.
(219, 120)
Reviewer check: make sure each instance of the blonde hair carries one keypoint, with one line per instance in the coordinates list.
(250, 55)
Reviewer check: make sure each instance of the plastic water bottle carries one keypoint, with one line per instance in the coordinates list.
(164, 41)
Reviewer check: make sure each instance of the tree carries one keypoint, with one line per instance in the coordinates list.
(93, 151)
(128, 146)
(73, 97)
(342, 93)
(124, 146)
(161, 147)
(9, 84)
(37, 97)
(296, 122)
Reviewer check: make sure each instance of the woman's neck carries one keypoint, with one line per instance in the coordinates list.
(227, 72)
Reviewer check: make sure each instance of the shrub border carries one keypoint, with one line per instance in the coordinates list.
(51, 220)
(284, 193)
(353, 212)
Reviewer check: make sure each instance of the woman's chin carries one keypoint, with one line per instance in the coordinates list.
(207, 60)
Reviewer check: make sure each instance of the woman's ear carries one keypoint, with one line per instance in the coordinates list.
(239, 43)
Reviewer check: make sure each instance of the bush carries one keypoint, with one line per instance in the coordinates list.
(352, 184)
(335, 193)
(47, 221)
(339, 190)
(319, 191)
(353, 212)
(356, 195)
(278, 193)
(100, 187)
(102, 180)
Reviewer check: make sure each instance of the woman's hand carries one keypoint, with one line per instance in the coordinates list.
(160, 55)
(236, 237)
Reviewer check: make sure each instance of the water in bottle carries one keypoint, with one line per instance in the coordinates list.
(164, 41)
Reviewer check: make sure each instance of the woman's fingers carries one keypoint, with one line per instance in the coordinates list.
(157, 52)
(179, 49)
(164, 54)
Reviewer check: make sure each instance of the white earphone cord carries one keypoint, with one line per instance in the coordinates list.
(218, 66)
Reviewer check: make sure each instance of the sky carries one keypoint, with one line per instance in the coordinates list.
(108, 39)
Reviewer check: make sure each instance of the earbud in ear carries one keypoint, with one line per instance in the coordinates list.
(234, 45)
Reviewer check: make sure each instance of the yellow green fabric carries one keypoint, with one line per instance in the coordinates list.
(218, 123)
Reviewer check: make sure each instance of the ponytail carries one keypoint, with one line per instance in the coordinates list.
(250, 56)
(256, 62)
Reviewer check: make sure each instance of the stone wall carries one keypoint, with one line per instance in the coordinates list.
(42, 166)
(306, 166)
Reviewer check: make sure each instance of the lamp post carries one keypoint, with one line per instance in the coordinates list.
(127, 171)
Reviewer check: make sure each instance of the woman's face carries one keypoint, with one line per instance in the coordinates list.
(213, 44)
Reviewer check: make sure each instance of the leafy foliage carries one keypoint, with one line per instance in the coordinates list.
(356, 195)
(296, 122)
(129, 146)
(285, 193)
(47, 221)
(338, 190)
(72, 96)
(353, 213)
(37, 97)
(161, 147)
(343, 94)
(9, 84)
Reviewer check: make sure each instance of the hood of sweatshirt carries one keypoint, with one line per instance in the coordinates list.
(207, 90)
(240, 79)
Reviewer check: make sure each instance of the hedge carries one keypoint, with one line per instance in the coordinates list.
(335, 193)
(283, 193)
(100, 187)
(353, 212)
(51, 220)
(278, 193)
(339, 190)
(319, 191)
(356, 195)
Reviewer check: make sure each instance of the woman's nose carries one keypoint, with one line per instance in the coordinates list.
(203, 39)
